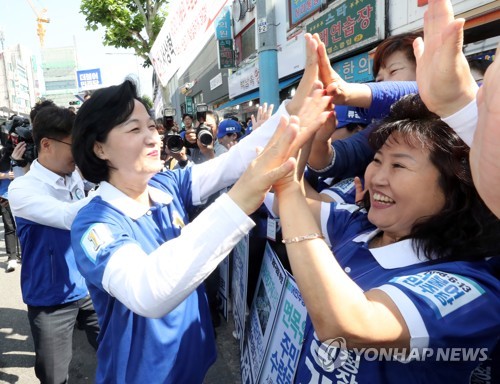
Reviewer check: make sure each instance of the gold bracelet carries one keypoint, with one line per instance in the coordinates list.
(299, 239)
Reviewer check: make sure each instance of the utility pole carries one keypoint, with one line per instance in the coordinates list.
(268, 53)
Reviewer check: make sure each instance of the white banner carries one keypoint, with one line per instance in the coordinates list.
(187, 29)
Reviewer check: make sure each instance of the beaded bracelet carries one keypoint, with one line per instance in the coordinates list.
(299, 239)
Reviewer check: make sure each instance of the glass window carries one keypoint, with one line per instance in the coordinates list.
(248, 42)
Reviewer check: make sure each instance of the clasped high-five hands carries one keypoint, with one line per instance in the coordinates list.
(311, 110)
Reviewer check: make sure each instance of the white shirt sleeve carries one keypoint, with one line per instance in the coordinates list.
(464, 122)
(223, 171)
(29, 203)
(153, 285)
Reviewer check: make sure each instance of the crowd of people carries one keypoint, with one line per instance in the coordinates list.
(388, 195)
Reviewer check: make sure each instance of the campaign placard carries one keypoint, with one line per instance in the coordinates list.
(239, 287)
(264, 311)
(287, 337)
(275, 331)
(223, 289)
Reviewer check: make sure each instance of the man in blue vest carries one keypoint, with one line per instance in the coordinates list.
(44, 203)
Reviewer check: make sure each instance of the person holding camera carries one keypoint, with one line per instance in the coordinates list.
(44, 203)
(17, 144)
(10, 237)
(203, 138)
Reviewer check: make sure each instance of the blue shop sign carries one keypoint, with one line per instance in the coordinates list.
(223, 25)
(300, 9)
(355, 69)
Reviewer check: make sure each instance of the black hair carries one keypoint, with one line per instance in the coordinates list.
(187, 115)
(52, 122)
(39, 105)
(354, 127)
(464, 229)
(107, 108)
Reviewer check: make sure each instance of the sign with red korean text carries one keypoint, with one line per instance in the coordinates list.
(226, 53)
(300, 9)
(349, 25)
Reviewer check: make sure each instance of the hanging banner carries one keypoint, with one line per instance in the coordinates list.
(187, 29)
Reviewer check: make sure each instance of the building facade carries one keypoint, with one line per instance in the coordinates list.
(19, 80)
(350, 29)
(59, 71)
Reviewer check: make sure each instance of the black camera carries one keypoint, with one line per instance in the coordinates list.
(201, 112)
(18, 130)
(172, 140)
(203, 132)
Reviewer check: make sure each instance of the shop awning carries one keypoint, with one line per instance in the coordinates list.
(255, 94)
(292, 80)
(239, 100)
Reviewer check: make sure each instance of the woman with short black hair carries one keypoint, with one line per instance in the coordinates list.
(142, 261)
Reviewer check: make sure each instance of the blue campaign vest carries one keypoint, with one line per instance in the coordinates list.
(458, 301)
(177, 348)
(49, 275)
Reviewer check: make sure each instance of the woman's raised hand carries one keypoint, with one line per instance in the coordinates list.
(272, 164)
(443, 76)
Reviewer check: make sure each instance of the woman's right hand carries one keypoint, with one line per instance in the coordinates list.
(310, 80)
(444, 79)
(275, 162)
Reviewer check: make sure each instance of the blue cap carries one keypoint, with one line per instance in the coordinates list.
(228, 126)
(347, 114)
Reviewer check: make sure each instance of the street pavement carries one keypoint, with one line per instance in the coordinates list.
(17, 355)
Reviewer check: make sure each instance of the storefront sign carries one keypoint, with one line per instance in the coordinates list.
(223, 25)
(356, 69)
(189, 105)
(216, 82)
(348, 25)
(300, 9)
(226, 53)
(245, 80)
